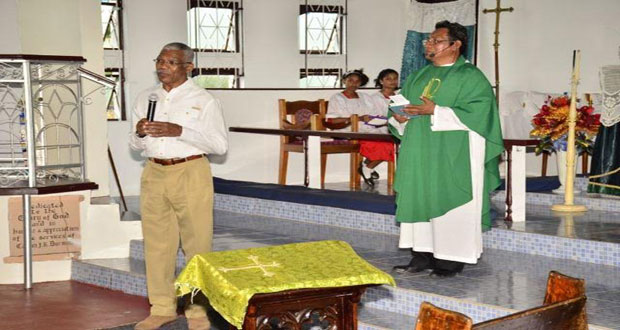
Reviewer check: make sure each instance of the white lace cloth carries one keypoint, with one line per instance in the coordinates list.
(610, 86)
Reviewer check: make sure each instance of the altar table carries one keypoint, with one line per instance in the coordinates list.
(312, 146)
(515, 161)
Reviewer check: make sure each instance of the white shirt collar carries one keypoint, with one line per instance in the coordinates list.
(184, 85)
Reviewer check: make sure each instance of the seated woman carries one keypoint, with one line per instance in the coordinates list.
(379, 151)
(349, 102)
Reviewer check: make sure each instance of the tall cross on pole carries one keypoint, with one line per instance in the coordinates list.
(497, 10)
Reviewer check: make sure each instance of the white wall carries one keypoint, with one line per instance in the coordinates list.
(271, 54)
(537, 41)
(9, 42)
(60, 32)
(71, 27)
(149, 24)
(538, 37)
(376, 35)
(536, 44)
(272, 60)
(67, 27)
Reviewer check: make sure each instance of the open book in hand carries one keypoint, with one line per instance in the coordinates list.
(397, 103)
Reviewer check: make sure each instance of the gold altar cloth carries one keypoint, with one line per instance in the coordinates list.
(230, 278)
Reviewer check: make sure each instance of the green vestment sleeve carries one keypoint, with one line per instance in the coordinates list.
(433, 174)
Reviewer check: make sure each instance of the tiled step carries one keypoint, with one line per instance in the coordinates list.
(567, 246)
(594, 202)
(591, 201)
(122, 274)
(371, 319)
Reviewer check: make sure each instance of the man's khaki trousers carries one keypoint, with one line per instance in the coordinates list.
(175, 201)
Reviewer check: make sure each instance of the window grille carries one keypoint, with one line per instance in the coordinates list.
(112, 30)
(322, 42)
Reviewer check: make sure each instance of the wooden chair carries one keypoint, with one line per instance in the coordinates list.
(564, 308)
(287, 111)
(320, 124)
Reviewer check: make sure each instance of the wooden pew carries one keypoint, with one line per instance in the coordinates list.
(564, 308)
(563, 315)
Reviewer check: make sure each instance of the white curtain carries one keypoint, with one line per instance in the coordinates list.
(423, 16)
(610, 85)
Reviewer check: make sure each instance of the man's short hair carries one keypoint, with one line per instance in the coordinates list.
(187, 51)
(455, 32)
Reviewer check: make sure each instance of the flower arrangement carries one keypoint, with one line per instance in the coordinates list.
(551, 126)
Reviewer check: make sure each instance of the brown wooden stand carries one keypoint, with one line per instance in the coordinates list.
(329, 308)
(508, 143)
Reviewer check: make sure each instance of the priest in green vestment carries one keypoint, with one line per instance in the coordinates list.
(451, 142)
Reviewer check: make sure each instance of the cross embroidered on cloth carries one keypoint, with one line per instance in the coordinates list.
(431, 88)
(256, 265)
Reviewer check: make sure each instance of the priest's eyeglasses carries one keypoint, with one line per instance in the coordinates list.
(433, 41)
(169, 62)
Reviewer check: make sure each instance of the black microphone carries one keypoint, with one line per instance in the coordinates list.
(439, 52)
(150, 114)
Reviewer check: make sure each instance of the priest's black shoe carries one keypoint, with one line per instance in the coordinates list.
(446, 268)
(442, 273)
(420, 261)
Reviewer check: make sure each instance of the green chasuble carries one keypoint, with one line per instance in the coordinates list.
(433, 173)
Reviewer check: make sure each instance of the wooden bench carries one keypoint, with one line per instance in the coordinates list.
(564, 308)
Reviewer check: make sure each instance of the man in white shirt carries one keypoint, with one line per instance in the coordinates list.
(176, 187)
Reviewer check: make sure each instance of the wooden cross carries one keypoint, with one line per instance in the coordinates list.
(497, 10)
(256, 265)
